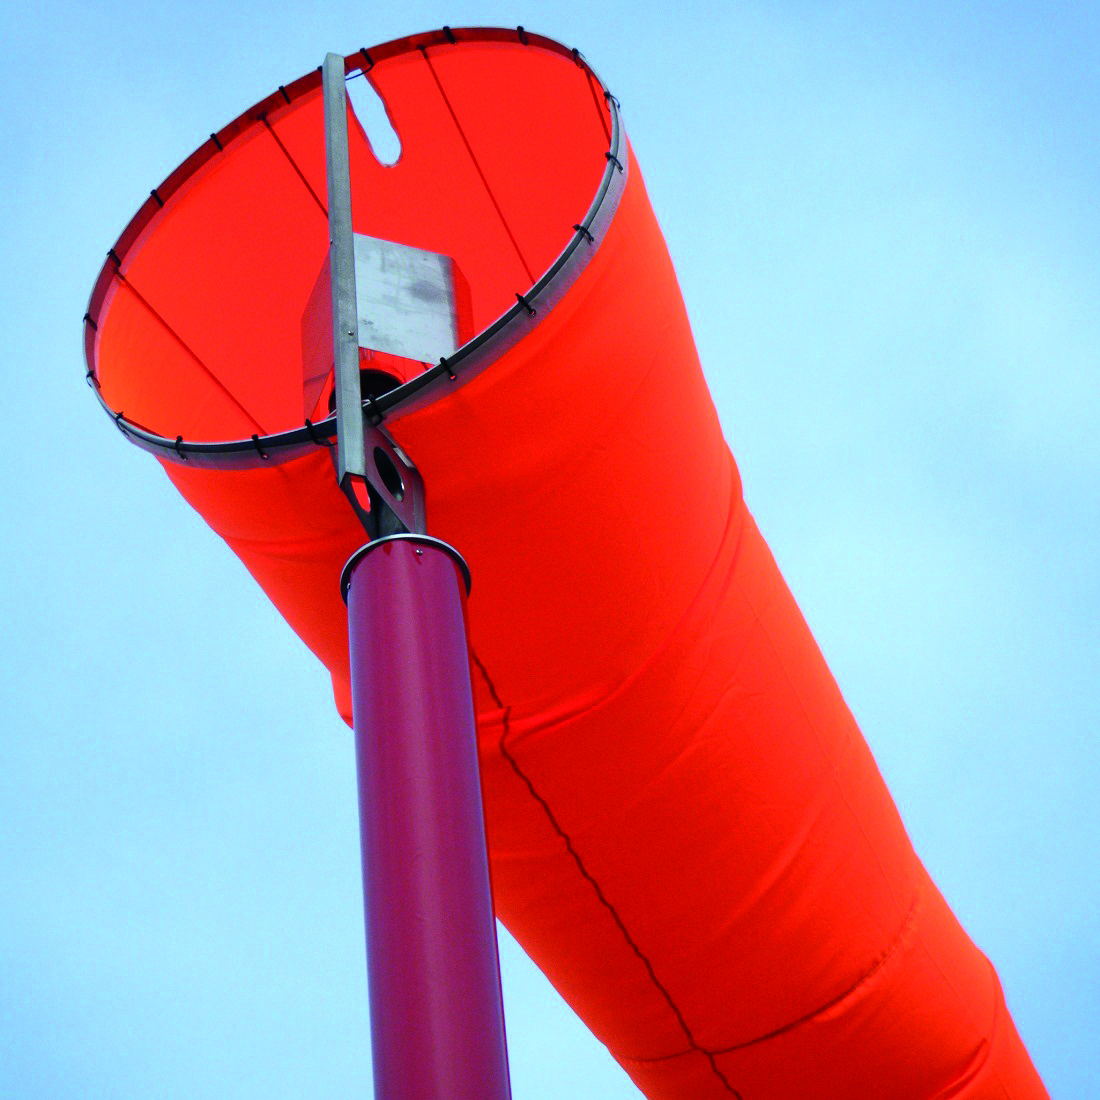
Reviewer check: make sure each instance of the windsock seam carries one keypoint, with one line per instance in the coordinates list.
(587, 875)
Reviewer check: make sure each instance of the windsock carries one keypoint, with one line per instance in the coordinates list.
(687, 831)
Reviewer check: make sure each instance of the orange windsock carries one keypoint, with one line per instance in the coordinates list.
(687, 831)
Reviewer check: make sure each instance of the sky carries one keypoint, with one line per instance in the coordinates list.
(886, 223)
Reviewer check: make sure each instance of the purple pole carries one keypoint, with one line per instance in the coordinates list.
(437, 1023)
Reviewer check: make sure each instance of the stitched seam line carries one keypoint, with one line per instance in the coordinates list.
(477, 166)
(596, 102)
(586, 874)
(186, 348)
(910, 917)
(294, 164)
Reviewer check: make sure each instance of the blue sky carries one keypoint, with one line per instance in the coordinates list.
(886, 221)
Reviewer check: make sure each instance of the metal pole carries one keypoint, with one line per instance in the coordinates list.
(437, 1021)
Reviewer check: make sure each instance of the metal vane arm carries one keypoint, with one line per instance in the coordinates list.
(351, 445)
(378, 478)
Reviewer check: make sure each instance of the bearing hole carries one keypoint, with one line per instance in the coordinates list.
(389, 474)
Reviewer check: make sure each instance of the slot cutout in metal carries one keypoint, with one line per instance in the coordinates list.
(370, 109)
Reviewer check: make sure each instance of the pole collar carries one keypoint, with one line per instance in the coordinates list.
(406, 536)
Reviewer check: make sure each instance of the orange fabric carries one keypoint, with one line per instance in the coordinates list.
(688, 833)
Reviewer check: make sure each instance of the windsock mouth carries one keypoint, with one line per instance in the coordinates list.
(204, 337)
